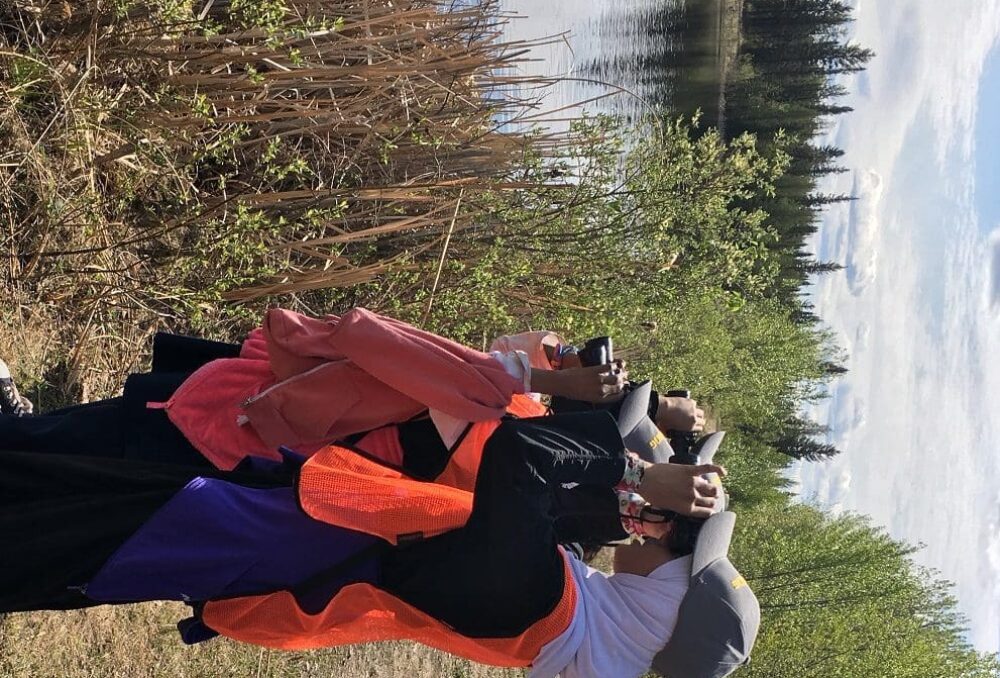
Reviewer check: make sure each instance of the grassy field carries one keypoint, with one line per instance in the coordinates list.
(170, 166)
(140, 642)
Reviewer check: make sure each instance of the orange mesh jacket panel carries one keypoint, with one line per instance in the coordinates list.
(362, 613)
(463, 466)
(341, 487)
(523, 407)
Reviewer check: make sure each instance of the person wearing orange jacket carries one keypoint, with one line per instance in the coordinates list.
(339, 548)
(345, 550)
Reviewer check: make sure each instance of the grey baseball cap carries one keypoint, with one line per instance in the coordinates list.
(642, 436)
(719, 616)
(639, 431)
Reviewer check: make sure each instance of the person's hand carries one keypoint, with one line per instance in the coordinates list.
(597, 384)
(679, 414)
(681, 488)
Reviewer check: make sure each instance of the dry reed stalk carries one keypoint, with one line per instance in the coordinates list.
(342, 276)
(159, 167)
(540, 301)
(444, 255)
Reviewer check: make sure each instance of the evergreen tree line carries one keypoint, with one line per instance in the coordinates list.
(782, 92)
(785, 91)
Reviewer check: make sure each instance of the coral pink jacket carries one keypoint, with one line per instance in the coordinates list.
(304, 382)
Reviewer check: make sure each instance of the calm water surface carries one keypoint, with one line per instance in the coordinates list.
(628, 45)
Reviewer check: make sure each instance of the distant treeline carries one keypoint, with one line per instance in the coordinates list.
(786, 90)
(783, 90)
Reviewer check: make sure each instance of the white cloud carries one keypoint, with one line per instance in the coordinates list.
(995, 271)
(862, 336)
(862, 239)
(916, 416)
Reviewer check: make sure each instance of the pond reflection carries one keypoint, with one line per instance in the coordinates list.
(657, 53)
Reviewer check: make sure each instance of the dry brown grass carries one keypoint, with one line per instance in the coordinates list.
(140, 642)
(150, 169)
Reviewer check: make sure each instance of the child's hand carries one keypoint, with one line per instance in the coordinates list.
(681, 489)
(598, 384)
(570, 361)
(679, 414)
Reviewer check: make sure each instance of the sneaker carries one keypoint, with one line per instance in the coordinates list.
(12, 403)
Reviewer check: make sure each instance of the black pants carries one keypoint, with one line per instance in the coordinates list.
(118, 428)
(63, 508)
(61, 518)
(123, 427)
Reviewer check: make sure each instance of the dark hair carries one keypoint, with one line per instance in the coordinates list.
(683, 535)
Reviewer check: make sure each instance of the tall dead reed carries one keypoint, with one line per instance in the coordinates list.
(159, 156)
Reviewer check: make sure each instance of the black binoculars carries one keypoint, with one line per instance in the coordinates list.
(684, 443)
(597, 351)
(600, 351)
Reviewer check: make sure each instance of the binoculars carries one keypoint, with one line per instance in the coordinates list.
(597, 351)
(685, 444)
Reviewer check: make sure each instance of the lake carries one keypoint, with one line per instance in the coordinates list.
(630, 51)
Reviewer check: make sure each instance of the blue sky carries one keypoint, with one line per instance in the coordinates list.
(916, 309)
(988, 144)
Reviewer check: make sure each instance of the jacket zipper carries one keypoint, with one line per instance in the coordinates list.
(252, 399)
